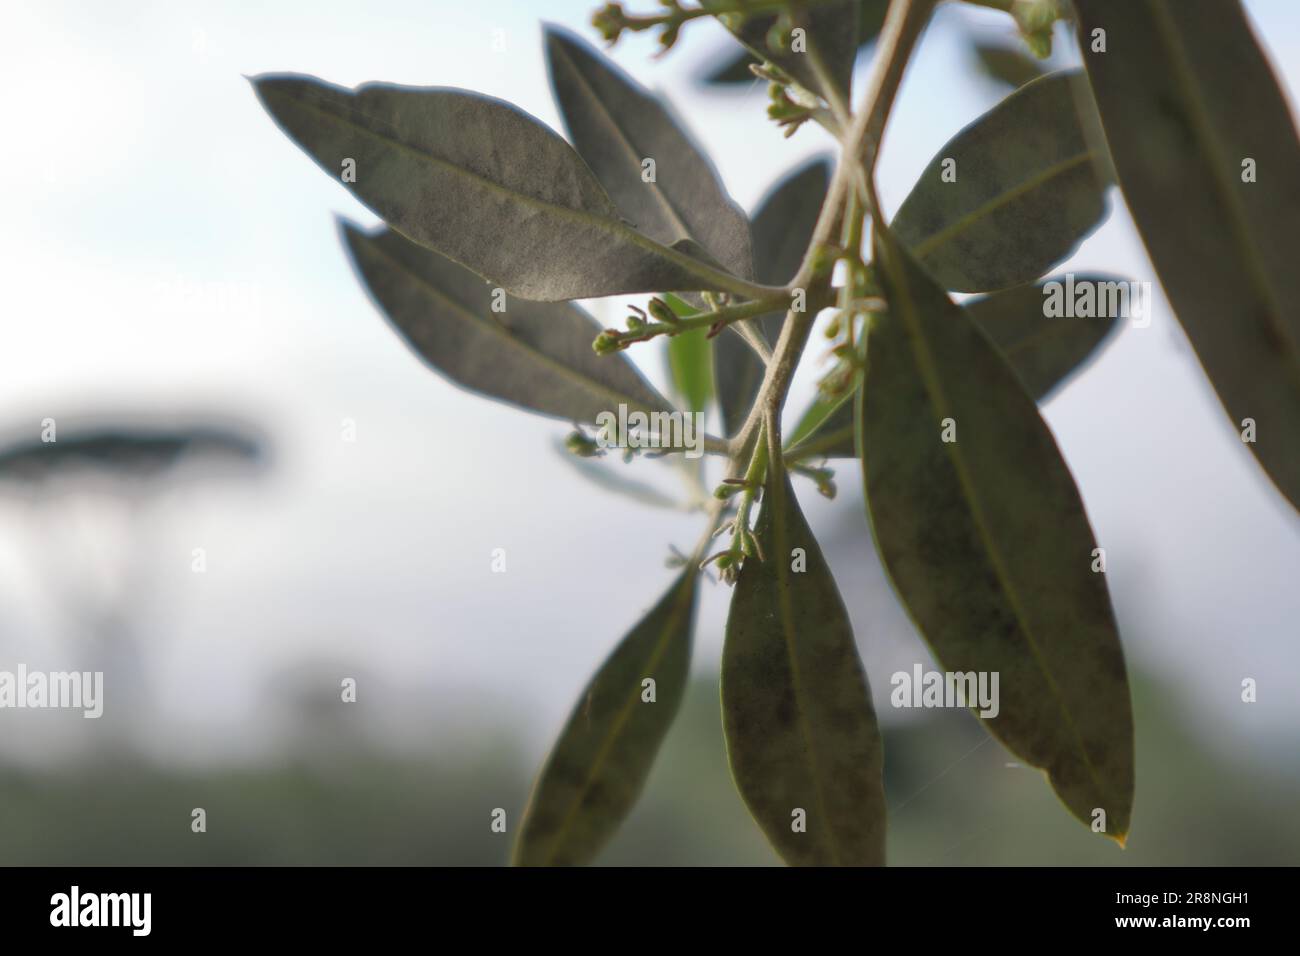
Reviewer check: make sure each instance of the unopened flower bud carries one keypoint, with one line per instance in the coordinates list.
(607, 342)
(660, 311)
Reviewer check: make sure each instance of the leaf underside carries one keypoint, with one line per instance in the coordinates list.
(599, 765)
(478, 181)
(535, 355)
(801, 732)
(616, 125)
(1186, 96)
(1046, 352)
(1028, 190)
(987, 543)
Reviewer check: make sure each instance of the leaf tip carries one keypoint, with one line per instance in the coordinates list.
(557, 37)
(348, 230)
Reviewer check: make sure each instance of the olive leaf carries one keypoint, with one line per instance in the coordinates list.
(801, 733)
(657, 177)
(600, 762)
(536, 355)
(826, 428)
(978, 522)
(831, 30)
(782, 227)
(1209, 162)
(481, 182)
(1046, 353)
(1030, 185)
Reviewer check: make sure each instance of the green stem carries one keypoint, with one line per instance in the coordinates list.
(754, 476)
(612, 340)
(861, 144)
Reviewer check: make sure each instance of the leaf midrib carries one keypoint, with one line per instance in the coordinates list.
(620, 137)
(681, 602)
(1185, 81)
(784, 589)
(613, 226)
(930, 378)
(970, 219)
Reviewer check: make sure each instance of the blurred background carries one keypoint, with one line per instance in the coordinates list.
(260, 492)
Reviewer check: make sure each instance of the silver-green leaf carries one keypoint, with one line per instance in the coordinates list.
(978, 522)
(802, 738)
(658, 178)
(1209, 162)
(1046, 351)
(536, 355)
(599, 765)
(482, 183)
(1030, 185)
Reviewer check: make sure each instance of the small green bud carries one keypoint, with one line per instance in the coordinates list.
(780, 110)
(607, 342)
(669, 35)
(1036, 19)
(610, 21)
(660, 311)
(583, 446)
(779, 37)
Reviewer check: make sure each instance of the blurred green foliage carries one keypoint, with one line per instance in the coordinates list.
(952, 797)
